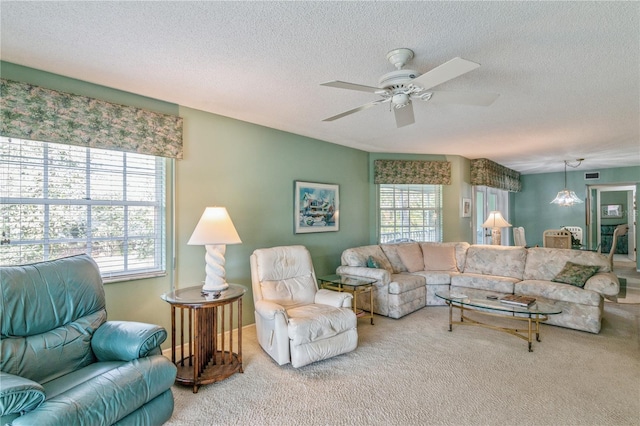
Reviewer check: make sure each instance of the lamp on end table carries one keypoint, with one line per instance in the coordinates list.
(495, 221)
(214, 230)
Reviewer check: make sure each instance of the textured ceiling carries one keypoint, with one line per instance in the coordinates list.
(568, 73)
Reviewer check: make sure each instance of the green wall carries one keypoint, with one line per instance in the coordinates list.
(532, 208)
(251, 170)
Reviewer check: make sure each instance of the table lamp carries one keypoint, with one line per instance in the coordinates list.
(214, 230)
(495, 221)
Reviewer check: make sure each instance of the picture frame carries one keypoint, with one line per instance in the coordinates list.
(316, 207)
(611, 211)
(465, 208)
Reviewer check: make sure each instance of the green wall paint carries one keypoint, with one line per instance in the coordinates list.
(251, 170)
(532, 208)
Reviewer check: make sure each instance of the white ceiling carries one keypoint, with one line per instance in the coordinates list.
(568, 72)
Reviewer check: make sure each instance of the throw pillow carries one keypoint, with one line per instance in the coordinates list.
(411, 257)
(575, 274)
(439, 258)
(371, 263)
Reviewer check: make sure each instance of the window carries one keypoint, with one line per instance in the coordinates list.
(58, 200)
(410, 212)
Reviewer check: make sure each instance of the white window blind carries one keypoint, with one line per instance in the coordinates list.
(58, 200)
(410, 212)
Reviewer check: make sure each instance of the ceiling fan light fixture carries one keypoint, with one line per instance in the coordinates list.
(400, 100)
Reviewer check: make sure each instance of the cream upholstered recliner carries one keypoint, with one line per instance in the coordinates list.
(296, 322)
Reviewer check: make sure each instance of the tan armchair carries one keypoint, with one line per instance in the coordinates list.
(296, 322)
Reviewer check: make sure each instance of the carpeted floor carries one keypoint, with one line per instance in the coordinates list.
(412, 371)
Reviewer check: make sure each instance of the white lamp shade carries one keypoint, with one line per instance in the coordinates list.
(215, 227)
(495, 220)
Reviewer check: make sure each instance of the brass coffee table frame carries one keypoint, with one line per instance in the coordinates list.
(533, 315)
(353, 285)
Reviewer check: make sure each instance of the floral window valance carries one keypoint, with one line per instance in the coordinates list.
(400, 172)
(36, 113)
(488, 173)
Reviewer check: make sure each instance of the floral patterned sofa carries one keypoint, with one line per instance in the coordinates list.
(409, 274)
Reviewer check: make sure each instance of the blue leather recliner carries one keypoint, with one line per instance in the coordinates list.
(63, 363)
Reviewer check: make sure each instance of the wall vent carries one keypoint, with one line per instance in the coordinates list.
(591, 175)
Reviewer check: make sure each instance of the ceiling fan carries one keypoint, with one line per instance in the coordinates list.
(400, 87)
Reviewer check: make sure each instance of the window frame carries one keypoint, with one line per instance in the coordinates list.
(426, 232)
(126, 272)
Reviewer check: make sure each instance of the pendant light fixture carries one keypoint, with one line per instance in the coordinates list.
(566, 197)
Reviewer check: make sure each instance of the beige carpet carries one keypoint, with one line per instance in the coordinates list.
(412, 371)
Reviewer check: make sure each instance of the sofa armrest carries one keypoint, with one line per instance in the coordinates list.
(337, 299)
(381, 275)
(19, 395)
(605, 283)
(268, 310)
(126, 340)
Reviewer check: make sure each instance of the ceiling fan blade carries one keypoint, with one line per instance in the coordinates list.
(351, 86)
(445, 72)
(360, 108)
(404, 115)
(464, 98)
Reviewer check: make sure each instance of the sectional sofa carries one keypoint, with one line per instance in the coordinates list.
(408, 275)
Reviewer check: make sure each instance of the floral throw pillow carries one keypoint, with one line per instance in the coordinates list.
(575, 274)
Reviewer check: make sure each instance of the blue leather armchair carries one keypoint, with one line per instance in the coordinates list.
(63, 363)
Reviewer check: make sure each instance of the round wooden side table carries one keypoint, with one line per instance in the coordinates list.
(206, 344)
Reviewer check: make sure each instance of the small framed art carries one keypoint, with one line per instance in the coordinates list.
(465, 209)
(612, 211)
(316, 207)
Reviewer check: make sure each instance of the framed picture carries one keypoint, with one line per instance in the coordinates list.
(316, 207)
(611, 211)
(466, 207)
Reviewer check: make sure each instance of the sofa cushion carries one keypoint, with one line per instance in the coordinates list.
(391, 251)
(460, 249)
(65, 349)
(106, 398)
(439, 258)
(42, 296)
(436, 277)
(545, 263)
(484, 282)
(557, 291)
(310, 323)
(411, 257)
(359, 256)
(401, 283)
(496, 260)
(575, 274)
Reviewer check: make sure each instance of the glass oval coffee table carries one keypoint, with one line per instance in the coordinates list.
(486, 304)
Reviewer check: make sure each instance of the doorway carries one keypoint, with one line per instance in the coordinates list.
(486, 200)
(609, 206)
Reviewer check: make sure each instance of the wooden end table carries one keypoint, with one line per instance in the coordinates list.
(210, 355)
